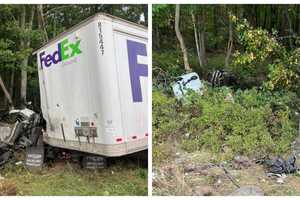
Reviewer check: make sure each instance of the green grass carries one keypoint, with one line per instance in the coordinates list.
(69, 179)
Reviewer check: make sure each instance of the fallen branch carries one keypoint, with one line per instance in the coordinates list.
(229, 176)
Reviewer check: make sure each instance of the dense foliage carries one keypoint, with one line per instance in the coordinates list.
(24, 28)
(257, 117)
(252, 122)
(265, 42)
(263, 60)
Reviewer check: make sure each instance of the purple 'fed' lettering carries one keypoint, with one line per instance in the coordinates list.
(61, 54)
(136, 70)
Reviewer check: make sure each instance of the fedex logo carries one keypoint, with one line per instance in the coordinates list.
(136, 70)
(65, 50)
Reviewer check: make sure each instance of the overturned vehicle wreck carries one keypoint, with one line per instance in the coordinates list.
(93, 96)
(20, 129)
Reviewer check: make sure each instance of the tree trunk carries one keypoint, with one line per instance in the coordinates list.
(146, 14)
(23, 87)
(201, 36)
(290, 28)
(196, 39)
(298, 18)
(202, 47)
(5, 74)
(266, 7)
(54, 27)
(24, 81)
(180, 39)
(25, 43)
(230, 43)
(12, 81)
(157, 37)
(215, 23)
(41, 21)
(6, 93)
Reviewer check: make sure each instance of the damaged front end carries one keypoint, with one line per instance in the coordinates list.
(19, 129)
(279, 166)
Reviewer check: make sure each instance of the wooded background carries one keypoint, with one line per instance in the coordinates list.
(257, 115)
(24, 28)
(209, 38)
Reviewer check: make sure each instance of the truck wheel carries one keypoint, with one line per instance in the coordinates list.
(50, 153)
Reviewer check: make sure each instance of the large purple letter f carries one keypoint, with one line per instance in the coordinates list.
(135, 69)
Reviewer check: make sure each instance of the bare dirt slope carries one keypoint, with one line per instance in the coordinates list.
(199, 173)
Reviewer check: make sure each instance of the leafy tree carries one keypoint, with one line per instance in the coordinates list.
(26, 27)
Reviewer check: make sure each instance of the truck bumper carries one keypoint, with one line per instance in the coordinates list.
(109, 150)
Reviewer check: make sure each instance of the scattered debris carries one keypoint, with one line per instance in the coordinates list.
(279, 177)
(240, 162)
(187, 82)
(280, 180)
(221, 78)
(224, 177)
(197, 168)
(229, 97)
(281, 166)
(202, 169)
(221, 179)
(187, 135)
(19, 163)
(219, 182)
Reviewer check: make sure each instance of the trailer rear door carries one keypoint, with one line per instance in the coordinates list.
(132, 69)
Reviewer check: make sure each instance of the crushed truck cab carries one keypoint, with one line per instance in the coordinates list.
(93, 86)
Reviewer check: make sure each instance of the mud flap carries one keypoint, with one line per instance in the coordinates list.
(35, 155)
(94, 162)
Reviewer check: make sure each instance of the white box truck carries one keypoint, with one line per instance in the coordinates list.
(93, 87)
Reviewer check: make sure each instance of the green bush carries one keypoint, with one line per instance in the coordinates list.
(169, 61)
(285, 73)
(255, 123)
(165, 119)
(167, 122)
(258, 49)
(262, 60)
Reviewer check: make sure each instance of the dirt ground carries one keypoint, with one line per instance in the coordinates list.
(200, 173)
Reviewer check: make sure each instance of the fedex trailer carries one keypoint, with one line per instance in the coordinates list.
(93, 87)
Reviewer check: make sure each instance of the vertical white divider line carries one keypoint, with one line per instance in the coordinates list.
(150, 99)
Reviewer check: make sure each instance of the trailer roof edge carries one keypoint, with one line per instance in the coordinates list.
(84, 22)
